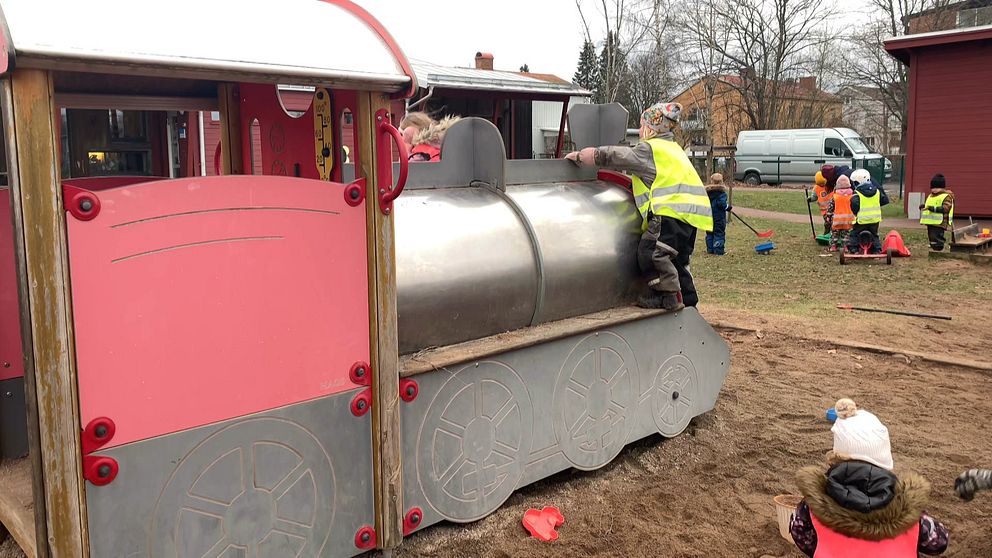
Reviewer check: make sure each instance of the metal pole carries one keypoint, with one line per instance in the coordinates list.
(902, 174)
(203, 149)
(561, 129)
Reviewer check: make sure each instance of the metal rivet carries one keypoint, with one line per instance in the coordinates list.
(366, 537)
(355, 194)
(103, 471)
(382, 190)
(675, 395)
(410, 391)
(320, 95)
(360, 372)
(415, 518)
(326, 152)
(361, 404)
(6, 365)
(86, 205)
(101, 431)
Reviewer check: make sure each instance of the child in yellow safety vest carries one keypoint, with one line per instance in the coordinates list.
(822, 195)
(841, 214)
(937, 213)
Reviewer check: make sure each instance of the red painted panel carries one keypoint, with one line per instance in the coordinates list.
(97, 183)
(11, 357)
(201, 299)
(287, 143)
(951, 122)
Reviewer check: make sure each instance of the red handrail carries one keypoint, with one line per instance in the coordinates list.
(386, 131)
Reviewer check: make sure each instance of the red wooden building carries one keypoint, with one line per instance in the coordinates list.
(950, 116)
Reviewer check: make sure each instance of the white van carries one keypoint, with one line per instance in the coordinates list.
(776, 156)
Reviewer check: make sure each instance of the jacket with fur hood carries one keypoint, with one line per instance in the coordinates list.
(427, 143)
(859, 500)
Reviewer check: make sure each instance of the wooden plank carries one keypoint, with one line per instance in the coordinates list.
(37, 199)
(17, 504)
(229, 103)
(443, 357)
(30, 393)
(386, 449)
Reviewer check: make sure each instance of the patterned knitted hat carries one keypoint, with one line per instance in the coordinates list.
(859, 435)
(654, 116)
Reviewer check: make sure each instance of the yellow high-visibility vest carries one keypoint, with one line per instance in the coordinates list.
(677, 190)
(933, 212)
(871, 209)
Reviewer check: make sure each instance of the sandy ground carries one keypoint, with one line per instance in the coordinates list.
(709, 491)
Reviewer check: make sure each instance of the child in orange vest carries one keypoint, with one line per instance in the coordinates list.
(822, 194)
(841, 214)
(857, 507)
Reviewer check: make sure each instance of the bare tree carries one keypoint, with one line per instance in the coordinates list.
(869, 65)
(624, 29)
(761, 44)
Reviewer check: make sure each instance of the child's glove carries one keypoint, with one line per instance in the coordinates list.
(971, 481)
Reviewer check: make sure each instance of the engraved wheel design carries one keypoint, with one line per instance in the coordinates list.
(474, 441)
(595, 400)
(673, 395)
(261, 488)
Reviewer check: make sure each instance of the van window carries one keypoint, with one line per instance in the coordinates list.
(858, 146)
(833, 147)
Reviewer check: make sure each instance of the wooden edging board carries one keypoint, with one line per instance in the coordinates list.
(938, 359)
(441, 357)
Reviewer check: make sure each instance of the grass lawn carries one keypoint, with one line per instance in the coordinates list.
(795, 280)
(794, 201)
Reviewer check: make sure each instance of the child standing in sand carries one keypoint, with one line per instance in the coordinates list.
(857, 507)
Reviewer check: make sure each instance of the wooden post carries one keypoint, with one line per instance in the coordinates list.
(386, 449)
(229, 103)
(40, 237)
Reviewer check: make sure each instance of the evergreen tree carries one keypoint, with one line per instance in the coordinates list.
(587, 71)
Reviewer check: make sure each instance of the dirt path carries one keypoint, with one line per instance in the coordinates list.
(708, 492)
(888, 223)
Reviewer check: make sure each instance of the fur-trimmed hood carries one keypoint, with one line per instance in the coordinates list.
(433, 135)
(911, 494)
(716, 188)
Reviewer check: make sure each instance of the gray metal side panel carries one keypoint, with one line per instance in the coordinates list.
(596, 125)
(479, 431)
(13, 419)
(292, 482)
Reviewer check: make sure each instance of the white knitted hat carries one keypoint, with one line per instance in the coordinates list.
(859, 435)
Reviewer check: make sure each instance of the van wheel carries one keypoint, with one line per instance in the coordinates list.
(752, 179)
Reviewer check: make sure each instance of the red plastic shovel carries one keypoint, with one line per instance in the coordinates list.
(541, 524)
(765, 234)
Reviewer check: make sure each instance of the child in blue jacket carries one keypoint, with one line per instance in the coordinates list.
(717, 192)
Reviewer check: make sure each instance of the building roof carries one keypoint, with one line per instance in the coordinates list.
(211, 40)
(901, 46)
(448, 77)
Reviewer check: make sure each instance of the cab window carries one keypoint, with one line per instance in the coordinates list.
(834, 147)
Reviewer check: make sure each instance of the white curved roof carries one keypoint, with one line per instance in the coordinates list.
(287, 40)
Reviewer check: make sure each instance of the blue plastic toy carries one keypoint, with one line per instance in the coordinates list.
(832, 414)
(765, 248)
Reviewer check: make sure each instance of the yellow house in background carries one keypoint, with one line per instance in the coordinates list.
(717, 108)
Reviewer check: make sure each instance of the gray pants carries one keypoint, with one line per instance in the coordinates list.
(663, 257)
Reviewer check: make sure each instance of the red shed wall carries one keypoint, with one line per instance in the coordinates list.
(951, 122)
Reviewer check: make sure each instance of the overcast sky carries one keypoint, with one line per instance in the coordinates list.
(544, 34)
